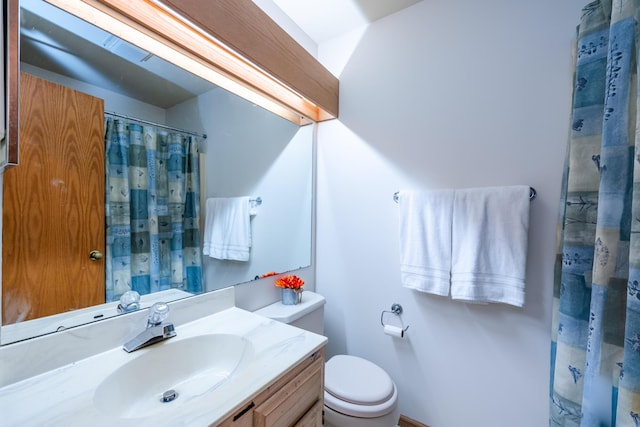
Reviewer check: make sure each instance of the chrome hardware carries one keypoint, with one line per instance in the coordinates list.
(397, 310)
(95, 255)
(155, 331)
(150, 336)
(532, 194)
(169, 396)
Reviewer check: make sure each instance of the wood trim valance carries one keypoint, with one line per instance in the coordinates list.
(246, 30)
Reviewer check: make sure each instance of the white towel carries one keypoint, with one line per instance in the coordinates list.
(227, 228)
(425, 240)
(489, 250)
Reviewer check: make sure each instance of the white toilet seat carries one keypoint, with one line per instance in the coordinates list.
(358, 387)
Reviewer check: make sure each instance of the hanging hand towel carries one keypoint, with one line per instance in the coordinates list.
(227, 229)
(489, 249)
(425, 240)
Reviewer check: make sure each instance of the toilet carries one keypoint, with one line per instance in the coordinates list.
(357, 392)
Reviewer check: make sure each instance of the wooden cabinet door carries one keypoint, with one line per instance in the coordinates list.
(313, 417)
(295, 404)
(53, 213)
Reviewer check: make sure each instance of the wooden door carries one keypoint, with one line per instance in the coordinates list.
(53, 213)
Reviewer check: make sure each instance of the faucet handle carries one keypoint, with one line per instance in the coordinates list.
(129, 301)
(157, 313)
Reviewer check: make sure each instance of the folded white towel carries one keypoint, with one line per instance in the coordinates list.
(425, 240)
(227, 228)
(489, 250)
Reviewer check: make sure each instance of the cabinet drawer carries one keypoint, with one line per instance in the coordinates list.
(313, 417)
(243, 418)
(292, 403)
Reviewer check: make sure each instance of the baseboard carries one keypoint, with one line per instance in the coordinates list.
(408, 422)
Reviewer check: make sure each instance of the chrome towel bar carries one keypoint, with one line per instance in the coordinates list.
(532, 194)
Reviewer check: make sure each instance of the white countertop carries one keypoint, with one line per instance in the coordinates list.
(57, 322)
(65, 396)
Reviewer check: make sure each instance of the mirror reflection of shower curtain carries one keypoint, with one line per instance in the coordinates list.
(152, 210)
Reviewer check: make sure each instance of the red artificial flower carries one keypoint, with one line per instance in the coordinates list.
(289, 282)
(271, 273)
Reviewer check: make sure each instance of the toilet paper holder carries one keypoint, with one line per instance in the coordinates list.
(397, 310)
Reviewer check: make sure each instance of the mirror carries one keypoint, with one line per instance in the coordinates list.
(248, 151)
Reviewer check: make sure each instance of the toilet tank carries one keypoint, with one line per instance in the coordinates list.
(308, 315)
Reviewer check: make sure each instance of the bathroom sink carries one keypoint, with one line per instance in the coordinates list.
(175, 371)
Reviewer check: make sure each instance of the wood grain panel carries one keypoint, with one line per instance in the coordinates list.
(11, 70)
(409, 422)
(287, 405)
(53, 213)
(313, 417)
(245, 414)
(244, 27)
(250, 34)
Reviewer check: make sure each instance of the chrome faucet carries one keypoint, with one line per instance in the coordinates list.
(155, 331)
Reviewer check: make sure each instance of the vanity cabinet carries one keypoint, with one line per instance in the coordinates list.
(295, 399)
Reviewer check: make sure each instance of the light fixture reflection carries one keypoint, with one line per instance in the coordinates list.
(261, 90)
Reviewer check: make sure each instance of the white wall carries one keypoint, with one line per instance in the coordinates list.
(253, 152)
(447, 93)
(287, 24)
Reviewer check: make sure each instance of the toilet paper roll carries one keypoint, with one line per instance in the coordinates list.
(394, 331)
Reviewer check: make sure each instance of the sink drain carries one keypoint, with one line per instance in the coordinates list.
(169, 396)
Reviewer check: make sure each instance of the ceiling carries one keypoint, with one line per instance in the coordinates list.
(95, 57)
(326, 19)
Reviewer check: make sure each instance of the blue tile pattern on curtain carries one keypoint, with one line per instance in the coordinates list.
(595, 353)
(153, 210)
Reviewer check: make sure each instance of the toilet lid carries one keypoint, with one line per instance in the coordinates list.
(358, 381)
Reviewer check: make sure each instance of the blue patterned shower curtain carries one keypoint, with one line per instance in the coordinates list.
(595, 360)
(152, 209)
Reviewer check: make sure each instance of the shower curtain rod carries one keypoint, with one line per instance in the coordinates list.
(203, 136)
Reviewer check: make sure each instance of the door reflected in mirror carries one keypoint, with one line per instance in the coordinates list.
(248, 153)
